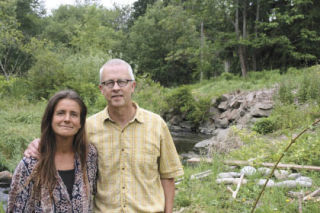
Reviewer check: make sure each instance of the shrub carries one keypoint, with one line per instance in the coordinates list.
(285, 94)
(181, 101)
(227, 76)
(264, 126)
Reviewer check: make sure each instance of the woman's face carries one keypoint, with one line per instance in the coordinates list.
(66, 118)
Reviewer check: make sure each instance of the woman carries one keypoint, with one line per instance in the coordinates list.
(63, 179)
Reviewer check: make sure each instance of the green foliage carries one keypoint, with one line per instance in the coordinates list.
(264, 126)
(162, 47)
(286, 92)
(181, 101)
(227, 76)
(150, 95)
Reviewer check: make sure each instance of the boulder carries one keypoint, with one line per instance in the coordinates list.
(223, 106)
(221, 123)
(281, 174)
(261, 182)
(5, 178)
(202, 146)
(248, 170)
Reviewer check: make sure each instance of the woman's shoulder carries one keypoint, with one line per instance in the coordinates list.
(27, 163)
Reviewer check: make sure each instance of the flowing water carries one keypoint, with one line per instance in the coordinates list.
(185, 141)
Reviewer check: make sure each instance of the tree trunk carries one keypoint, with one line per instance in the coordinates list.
(201, 51)
(241, 50)
(254, 56)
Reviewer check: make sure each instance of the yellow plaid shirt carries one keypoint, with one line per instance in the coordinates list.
(131, 162)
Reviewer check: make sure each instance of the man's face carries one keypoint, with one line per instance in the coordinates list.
(117, 96)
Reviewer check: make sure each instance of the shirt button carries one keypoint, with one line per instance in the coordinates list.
(122, 149)
(122, 168)
(123, 187)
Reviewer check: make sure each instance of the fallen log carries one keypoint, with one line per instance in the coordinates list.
(247, 163)
(280, 165)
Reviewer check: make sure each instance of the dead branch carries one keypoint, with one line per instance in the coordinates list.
(234, 193)
(309, 196)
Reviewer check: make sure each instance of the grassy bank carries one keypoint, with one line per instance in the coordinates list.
(297, 106)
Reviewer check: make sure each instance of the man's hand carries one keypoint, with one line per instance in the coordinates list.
(32, 149)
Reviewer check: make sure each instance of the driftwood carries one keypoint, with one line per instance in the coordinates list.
(309, 196)
(247, 163)
(195, 176)
(234, 193)
(280, 165)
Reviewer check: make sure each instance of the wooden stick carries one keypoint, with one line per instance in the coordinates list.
(300, 201)
(280, 165)
(247, 163)
(234, 193)
(309, 196)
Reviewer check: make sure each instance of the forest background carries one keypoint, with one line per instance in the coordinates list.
(184, 53)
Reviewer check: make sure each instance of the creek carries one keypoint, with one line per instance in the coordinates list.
(184, 141)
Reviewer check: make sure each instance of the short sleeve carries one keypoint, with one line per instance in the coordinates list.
(170, 165)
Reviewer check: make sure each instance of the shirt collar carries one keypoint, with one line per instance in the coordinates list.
(137, 117)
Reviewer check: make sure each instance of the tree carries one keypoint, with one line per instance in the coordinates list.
(163, 47)
(11, 59)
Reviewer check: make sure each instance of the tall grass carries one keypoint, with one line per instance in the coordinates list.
(205, 195)
(19, 124)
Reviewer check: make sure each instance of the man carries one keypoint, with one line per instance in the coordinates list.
(137, 157)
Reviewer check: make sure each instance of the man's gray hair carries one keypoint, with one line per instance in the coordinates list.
(117, 61)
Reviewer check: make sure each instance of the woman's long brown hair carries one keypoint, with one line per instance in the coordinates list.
(44, 174)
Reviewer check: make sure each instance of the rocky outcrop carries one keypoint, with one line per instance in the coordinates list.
(239, 109)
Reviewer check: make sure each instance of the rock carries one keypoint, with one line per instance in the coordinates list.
(264, 105)
(260, 113)
(202, 146)
(235, 174)
(5, 178)
(287, 183)
(236, 104)
(223, 106)
(187, 125)
(175, 120)
(230, 180)
(281, 174)
(189, 155)
(294, 176)
(224, 175)
(261, 182)
(221, 123)
(304, 178)
(304, 183)
(248, 170)
(264, 171)
(175, 128)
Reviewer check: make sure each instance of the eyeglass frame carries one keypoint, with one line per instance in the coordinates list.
(113, 83)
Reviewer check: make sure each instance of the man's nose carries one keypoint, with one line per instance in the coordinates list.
(116, 86)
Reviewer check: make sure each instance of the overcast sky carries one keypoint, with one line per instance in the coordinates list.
(54, 4)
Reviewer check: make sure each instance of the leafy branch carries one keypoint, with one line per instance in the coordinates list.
(293, 140)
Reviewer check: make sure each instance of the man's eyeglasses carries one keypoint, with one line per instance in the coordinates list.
(121, 83)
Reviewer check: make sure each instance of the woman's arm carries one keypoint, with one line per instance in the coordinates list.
(20, 190)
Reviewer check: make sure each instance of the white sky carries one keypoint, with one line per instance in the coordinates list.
(54, 4)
